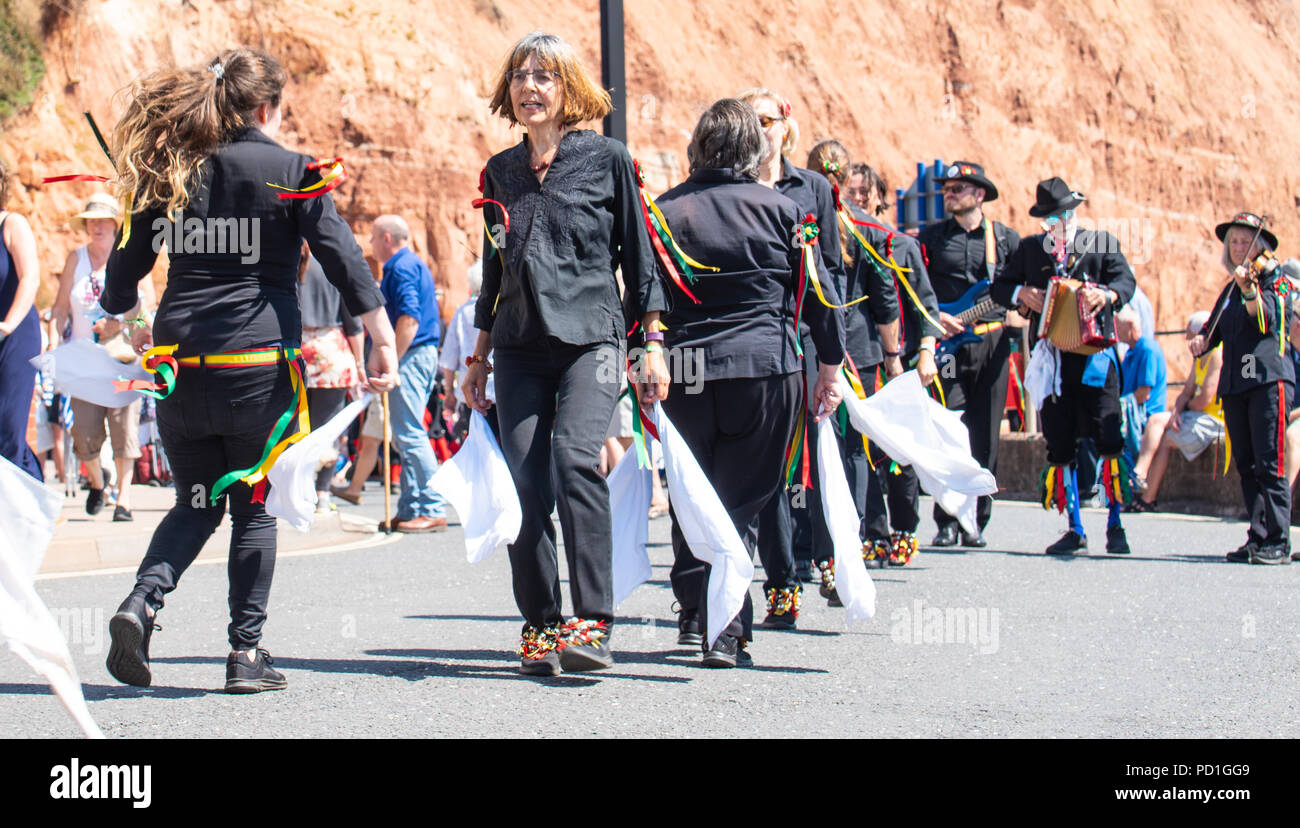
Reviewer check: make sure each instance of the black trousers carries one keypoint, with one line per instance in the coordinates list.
(1082, 411)
(793, 525)
(738, 430)
(554, 404)
(216, 421)
(976, 385)
(322, 405)
(1256, 423)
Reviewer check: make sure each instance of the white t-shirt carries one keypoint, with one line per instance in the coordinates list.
(87, 285)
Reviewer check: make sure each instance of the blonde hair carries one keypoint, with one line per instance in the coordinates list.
(584, 100)
(783, 106)
(176, 118)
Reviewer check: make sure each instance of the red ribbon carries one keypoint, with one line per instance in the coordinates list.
(505, 214)
(54, 179)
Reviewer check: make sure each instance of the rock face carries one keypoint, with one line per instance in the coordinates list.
(1169, 116)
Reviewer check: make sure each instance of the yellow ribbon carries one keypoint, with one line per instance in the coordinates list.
(304, 428)
(335, 171)
(663, 222)
(126, 225)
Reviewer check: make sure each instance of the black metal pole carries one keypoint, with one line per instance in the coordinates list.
(613, 69)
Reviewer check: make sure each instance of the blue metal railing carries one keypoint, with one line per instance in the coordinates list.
(922, 203)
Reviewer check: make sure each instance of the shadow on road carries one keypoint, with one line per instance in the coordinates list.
(100, 692)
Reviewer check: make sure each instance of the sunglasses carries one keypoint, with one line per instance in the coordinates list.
(1052, 221)
(766, 121)
(955, 189)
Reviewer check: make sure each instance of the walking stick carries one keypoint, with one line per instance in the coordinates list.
(387, 524)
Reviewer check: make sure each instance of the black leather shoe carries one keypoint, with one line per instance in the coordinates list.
(947, 536)
(1242, 553)
(129, 632)
(975, 541)
(1116, 541)
(244, 676)
(584, 645)
(1069, 543)
(1271, 554)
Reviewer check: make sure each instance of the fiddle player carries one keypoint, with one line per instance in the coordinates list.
(1257, 382)
(1087, 404)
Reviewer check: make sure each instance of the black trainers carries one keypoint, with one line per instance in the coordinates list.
(947, 536)
(1069, 543)
(584, 645)
(1242, 553)
(782, 608)
(1271, 554)
(129, 632)
(1116, 541)
(537, 652)
(244, 676)
(689, 633)
(121, 514)
(94, 501)
(726, 652)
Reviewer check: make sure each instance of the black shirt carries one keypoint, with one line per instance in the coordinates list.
(867, 277)
(957, 258)
(1250, 355)
(321, 304)
(234, 285)
(567, 237)
(811, 192)
(907, 255)
(744, 323)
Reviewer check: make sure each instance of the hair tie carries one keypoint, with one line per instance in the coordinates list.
(785, 109)
(218, 70)
(830, 166)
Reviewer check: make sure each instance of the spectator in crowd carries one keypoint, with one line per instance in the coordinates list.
(20, 335)
(412, 304)
(458, 343)
(1195, 422)
(1144, 365)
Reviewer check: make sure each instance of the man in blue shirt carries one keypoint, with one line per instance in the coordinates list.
(412, 304)
(1144, 372)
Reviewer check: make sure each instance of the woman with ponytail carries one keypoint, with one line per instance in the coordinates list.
(199, 170)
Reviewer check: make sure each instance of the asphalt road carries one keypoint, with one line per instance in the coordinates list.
(408, 640)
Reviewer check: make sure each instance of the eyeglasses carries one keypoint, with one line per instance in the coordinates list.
(1052, 221)
(766, 121)
(955, 189)
(542, 77)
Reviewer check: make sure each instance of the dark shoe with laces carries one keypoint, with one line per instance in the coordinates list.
(1242, 553)
(947, 536)
(537, 652)
(1271, 554)
(728, 651)
(584, 645)
(1116, 541)
(122, 514)
(1069, 543)
(129, 631)
(689, 633)
(94, 501)
(244, 676)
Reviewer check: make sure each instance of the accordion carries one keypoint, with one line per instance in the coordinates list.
(1064, 323)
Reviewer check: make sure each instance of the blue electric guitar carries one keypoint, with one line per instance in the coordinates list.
(968, 310)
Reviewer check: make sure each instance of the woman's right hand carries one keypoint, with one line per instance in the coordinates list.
(474, 387)
(142, 338)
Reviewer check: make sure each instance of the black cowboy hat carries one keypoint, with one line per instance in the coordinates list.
(1055, 196)
(974, 173)
(1251, 222)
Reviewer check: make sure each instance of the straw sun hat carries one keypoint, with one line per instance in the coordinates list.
(100, 206)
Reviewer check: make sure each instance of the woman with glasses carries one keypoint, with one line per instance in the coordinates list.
(563, 214)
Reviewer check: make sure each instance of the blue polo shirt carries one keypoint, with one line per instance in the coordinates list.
(1144, 364)
(408, 290)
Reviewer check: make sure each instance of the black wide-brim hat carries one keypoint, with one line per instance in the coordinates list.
(974, 173)
(1251, 222)
(1055, 196)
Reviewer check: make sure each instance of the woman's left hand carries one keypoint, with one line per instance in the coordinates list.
(652, 378)
(142, 338)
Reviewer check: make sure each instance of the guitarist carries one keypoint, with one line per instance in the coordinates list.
(1087, 404)
(965, 249)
